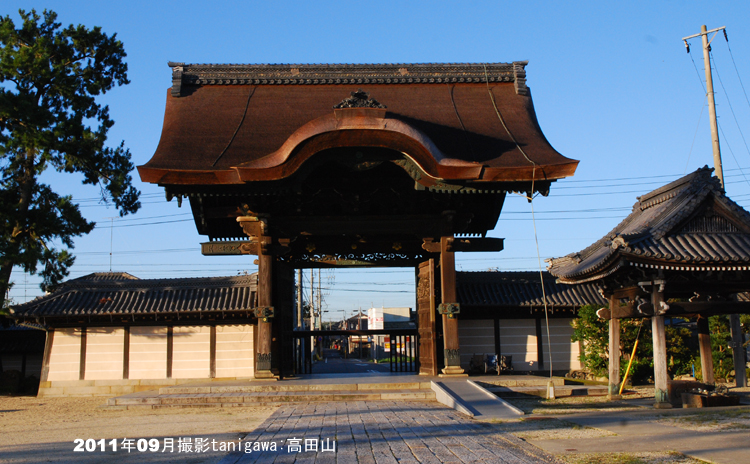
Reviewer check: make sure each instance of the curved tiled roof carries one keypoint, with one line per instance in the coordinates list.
(521, 289)
(122, 294)
(230, 124)
(688, 224)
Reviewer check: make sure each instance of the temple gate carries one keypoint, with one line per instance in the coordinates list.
(301, 166)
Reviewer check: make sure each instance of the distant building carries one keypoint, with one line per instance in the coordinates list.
(387, 318)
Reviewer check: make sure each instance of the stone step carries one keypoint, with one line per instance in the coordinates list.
(522, 381)
(153, 400)
(560, 391)
(288, 387)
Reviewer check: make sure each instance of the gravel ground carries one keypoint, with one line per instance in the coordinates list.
(550, 429)
(711, 421)
(44, 429)
(581, 404)
(630, 458)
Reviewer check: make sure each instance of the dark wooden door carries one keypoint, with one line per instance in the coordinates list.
(426, 301)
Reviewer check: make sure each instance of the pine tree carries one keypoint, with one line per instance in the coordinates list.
(49, 118)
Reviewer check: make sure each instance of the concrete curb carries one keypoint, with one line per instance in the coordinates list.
(443, 397)
(496, 398)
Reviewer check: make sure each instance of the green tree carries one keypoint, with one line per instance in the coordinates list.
(49, 118)
(594, 333)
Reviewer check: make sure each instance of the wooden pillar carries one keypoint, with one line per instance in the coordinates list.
(661, 392)
(170, 350)
(614, 354)
(212, 351)
(82, 359)
(126, 354)
(47, 354)
(704, 342)
(539, 344)
(265, 289)
(738, 351)
(450, 323)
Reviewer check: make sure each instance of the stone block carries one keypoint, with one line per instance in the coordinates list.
(72, 383)
(50, 391)
(114, 382)
(90, 391)
(122, 389)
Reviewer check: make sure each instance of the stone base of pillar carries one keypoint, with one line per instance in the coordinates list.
(662, 399)
(663, 406)
(453, 371)
(266, 375)
(613, 393)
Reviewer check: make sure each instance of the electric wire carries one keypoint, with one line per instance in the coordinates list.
(695, 135)
(731, 109)
(735, 68)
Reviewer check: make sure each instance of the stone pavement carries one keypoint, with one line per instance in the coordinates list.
(383, 432)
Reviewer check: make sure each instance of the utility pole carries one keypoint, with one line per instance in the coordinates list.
(313, 313)
(111, 239)
(299, 298)
(734, 319)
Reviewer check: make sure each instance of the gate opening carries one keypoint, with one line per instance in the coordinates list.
(356, 321)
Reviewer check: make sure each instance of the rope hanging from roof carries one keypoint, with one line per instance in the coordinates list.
(530, 197)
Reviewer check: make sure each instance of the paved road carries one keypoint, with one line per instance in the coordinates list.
(382, 433)
(333, 363)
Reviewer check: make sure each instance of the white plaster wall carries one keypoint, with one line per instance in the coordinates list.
(564, 352)
(191, 356)
(475, 337)
(518, 339)
(148, 353)
(234, 351)
(104, 353)
(65, 356)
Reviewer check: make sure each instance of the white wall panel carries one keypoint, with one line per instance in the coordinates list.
(148, 353)
(65, 357)
(518, 339)
(104, 353)
(475, 337)
(234, 351)
(191, 356)
(564, 352)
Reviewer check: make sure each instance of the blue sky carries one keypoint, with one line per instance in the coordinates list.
(612, 86)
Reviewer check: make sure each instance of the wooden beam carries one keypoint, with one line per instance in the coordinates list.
(680, 308)
(478, 244)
